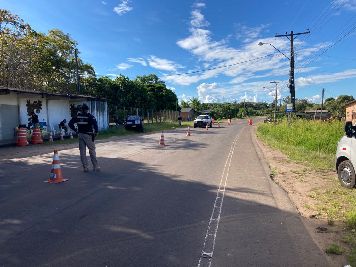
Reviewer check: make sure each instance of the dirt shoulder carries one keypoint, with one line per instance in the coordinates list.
(301, 183)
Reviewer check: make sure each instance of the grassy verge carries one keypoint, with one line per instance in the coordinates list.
(313, 144)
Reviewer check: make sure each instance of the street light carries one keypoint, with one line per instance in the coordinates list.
(261, 44)
(291, 74)
(275, 104)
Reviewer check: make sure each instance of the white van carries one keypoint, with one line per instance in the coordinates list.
(346, 157)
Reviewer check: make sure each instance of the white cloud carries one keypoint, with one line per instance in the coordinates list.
(123, 66)
(198, 19)
(326, 78)
(248, 34)
(246, 65)
(123, 7)
(200, 5)
(104, 3)
(138, 60)
(220, 55)
(248, 98)
(162, 64)
(348, 4)
(204, 92)
(112, 75)
(184, 98)
(314, 99)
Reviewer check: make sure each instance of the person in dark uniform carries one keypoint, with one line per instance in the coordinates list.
(87, 129)
(62, 125)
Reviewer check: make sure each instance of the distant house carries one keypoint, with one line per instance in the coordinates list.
(187, 114)
(351, 112)
(314, 114)
(16, 106)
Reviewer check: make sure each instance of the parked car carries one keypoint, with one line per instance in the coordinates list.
(346, 157)
(133, 122)
(202, 121)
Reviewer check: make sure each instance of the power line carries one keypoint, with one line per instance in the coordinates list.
(224, 66)
(342, 36)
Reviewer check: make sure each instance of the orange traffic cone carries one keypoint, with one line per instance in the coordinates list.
(56, 176)
(161, 140)
(36, 136)
(21, 139)
(188, 132)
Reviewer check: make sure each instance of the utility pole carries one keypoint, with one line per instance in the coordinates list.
(275, 102)
(322, 102)
(291, 36)
(77, 71)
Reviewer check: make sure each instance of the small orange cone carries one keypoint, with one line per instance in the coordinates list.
(188, 132)
(161, 140)
(56, 176)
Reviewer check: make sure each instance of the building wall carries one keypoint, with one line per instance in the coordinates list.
(42, 115)
(187, 116)
(8, 118)
(13, 111)
(58, 110)
(351, 113)
(98, 109)
(10, 99)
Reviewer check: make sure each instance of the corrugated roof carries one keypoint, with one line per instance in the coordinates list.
(7, 90)
(186, 109)
(350, 103)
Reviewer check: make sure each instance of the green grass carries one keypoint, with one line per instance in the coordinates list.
(334, 249)
(311, 142)
(351, 219)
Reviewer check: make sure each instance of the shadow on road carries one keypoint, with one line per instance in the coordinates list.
(132, 215)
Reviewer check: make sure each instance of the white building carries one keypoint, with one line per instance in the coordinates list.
(16, 106)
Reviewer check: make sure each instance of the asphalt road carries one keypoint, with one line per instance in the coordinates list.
(203, 200)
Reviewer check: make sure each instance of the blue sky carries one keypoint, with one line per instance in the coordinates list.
(209, 49)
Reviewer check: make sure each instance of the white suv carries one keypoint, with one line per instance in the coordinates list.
(346, 157)
(203, 121)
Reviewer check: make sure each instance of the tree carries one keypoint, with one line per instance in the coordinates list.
(195, 104)
(184, 104)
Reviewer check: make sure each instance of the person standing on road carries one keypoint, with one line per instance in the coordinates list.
(180, 120)
(87, 129)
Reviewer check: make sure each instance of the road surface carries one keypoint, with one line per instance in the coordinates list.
(203, 200)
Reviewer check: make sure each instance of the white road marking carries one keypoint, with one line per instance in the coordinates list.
(213, 226)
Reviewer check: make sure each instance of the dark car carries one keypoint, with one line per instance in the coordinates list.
(133, 122)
